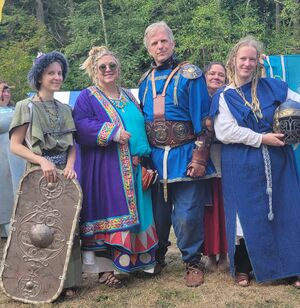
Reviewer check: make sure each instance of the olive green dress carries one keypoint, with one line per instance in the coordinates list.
(50, 134)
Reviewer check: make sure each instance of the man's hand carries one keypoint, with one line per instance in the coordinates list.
(195, 170)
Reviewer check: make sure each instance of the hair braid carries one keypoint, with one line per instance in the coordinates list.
(231, 67)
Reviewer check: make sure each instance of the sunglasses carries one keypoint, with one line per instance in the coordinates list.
(112, 66)
(5, 89)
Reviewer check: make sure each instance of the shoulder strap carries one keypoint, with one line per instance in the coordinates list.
(171, 75)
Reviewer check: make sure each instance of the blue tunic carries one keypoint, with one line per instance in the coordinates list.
(273, 246)
(11, 168)
(186, 100)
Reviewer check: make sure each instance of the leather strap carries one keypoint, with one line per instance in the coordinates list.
(159, 100)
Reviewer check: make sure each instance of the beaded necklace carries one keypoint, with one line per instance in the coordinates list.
(120, 102)
(256, 111)
(53, 116)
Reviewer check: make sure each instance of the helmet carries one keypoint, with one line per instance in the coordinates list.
(287, 121)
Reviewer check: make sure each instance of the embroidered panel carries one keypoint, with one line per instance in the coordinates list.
(105, 133)
(126, 221)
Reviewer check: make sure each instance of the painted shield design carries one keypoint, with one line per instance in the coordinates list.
(38, 248)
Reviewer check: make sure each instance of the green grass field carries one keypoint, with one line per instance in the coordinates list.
(168, 290)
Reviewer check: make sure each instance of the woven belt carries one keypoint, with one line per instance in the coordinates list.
(171, 133)
(59, 159)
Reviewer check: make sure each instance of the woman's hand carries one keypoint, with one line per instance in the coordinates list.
(136, 160)
(274, 139)
(70, 173)
(48, 169)
(124, 136)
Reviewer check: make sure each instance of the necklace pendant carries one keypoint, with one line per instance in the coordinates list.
(259, 114)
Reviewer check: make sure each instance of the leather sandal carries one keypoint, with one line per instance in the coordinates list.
(242, 279)
(110, 280)
(223, 265)
(296, 283)
(69, 293)
(194, 275)
(211, 264)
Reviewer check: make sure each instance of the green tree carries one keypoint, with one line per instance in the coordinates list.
(204, 31)
(20, 36)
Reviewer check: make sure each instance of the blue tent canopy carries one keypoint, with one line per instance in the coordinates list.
(286, 68)
(69, 97)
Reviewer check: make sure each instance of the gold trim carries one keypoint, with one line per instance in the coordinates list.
(176, 79)
(145, 93)
(287, 113)
(162, 77)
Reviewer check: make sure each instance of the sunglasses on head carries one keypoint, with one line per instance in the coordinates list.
(112, 66)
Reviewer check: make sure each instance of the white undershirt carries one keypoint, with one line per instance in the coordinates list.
(227, 129)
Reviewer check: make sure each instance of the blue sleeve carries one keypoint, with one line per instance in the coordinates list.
(278, 87)
(214, 107)
(199, 102)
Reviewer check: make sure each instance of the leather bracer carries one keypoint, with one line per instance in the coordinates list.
(201, 152)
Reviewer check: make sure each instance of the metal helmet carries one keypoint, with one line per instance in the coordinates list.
(287, 121)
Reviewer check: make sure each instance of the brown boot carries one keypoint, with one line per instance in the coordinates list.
(194, 274)
(160, 264)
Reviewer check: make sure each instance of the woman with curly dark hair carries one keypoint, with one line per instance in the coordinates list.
(49, 142)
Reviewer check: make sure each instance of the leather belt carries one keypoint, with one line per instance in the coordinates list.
(169, 133)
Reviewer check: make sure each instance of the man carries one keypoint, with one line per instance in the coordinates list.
(175, 102)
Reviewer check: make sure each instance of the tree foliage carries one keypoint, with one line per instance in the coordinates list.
(204, 31)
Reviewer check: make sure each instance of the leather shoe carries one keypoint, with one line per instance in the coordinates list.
(194, 275)
(159, 266)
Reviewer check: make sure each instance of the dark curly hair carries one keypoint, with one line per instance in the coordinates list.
(41, 63)
(3, 82)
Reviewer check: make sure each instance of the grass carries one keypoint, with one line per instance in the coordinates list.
(168, 290)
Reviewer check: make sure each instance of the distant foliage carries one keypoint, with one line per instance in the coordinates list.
(20, 37)
(204, 31)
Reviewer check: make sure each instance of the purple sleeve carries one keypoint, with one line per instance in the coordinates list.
(92, 123)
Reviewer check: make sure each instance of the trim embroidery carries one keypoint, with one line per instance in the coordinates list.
(131, 242)
(105, 133)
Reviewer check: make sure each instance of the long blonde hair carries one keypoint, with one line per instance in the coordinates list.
(90, 64)
(231, 66)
